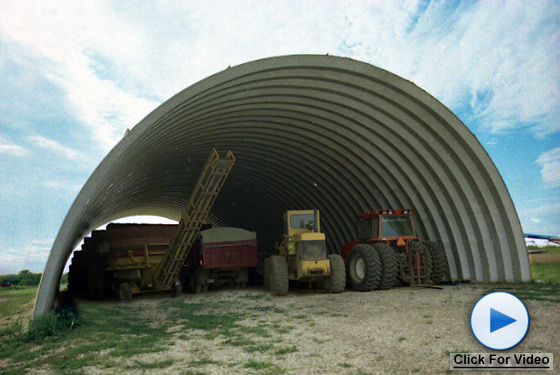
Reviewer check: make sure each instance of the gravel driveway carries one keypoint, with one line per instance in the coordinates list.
(401, 330)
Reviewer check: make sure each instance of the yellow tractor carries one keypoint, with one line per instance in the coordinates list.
(303, 256)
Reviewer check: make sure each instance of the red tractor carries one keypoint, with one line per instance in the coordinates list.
(387, 250)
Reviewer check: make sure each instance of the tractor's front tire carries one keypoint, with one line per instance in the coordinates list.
(337, 279)
(279, 282)
(266, 273)
(125, 292)
(363, 268)
(389, 266)
(440, 265)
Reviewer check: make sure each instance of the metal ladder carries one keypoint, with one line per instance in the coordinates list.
(194, 215)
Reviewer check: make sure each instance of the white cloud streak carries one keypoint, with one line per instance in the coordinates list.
(541, 219)
(550, 167)
(32, 256)
(553, 208)
(54, 146)
(9, 148)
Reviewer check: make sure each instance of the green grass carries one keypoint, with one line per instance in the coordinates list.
(257, 297)
(546, 266)
(529, 291)
(249, 345)
(202, 316)
(300, 317)
(257, 365)
(101, 327)
(286, 350)
(259, 348)
(192, 372)
(545, 270)
(124, 332)
(203, 362)
(549, 273)
(15, 300)
(550, 249)
(261, 330)
(151, 365)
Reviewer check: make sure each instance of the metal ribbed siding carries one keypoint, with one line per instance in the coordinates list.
(309, 130)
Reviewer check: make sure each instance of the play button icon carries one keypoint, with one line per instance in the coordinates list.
(499, 320)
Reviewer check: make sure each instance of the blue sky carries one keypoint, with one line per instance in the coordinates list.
(75, 75)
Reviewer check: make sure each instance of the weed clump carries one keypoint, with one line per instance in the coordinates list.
(53, 323)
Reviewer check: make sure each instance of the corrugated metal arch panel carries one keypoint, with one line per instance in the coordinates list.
(309, 130)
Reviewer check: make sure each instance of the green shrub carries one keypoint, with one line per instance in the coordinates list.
(23, 278)
(53, 323)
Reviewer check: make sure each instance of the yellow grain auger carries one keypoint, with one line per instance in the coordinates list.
(164, 275)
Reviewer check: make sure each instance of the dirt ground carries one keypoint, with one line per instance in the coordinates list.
(401, 330)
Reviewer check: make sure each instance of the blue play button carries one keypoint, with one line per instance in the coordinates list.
(499, 320)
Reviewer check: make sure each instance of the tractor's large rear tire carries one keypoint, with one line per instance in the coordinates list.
(389, 266)
(402, 269)
(363, 268)
(279, 282)
(266, 273)
(440, 265)
(337, 279)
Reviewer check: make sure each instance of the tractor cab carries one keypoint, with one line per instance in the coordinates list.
(304, 242)
(387, 226)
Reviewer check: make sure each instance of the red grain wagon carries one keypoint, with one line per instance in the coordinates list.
(220, 255)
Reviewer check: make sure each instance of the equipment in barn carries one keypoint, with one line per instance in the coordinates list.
(194, 215)
(220, 255)
(145, 265)
(120, 252)
(303, 256)
(388, 250)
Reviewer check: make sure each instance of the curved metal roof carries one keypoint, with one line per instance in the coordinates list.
(309, 130)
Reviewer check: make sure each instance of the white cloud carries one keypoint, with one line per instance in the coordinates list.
(543, 219)
(32, 256)
(60, 42)
(56, 147)
(9, 148)
(546, 209)
(500, 59)
(550, 164)
(62, 186)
